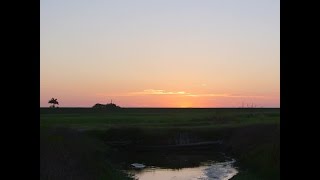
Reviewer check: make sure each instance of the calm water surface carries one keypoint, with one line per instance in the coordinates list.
(179, 165)
(207, 171)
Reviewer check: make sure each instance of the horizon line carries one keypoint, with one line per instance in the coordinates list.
(166, 107)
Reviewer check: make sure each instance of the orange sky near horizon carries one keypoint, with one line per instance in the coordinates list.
(168, 53)
(162, 98)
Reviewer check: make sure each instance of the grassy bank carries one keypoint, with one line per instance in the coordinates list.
(66, 154)
(249, 135)
(257, 149)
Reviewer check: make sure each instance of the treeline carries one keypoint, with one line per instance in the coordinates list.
(107, 106)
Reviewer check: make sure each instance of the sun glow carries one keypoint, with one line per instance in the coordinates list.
(185, 106)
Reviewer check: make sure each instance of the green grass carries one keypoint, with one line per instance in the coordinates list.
(250, 135)
(156, 118)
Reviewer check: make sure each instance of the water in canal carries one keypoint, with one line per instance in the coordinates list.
(177, 164)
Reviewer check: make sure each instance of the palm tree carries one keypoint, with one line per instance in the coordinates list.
(53, 101)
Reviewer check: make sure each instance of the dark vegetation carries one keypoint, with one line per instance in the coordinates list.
(67, 154)
(250, 135)
(109, 106)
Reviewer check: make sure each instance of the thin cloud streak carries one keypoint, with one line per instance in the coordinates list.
(181, 93)
(159, 92)
(225, 95)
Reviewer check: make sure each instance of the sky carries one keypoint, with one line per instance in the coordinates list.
(160, 53)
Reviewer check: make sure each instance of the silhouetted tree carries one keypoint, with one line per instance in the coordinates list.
(53, 101)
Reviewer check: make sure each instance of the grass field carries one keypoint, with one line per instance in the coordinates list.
(86, 118)
(251, 135)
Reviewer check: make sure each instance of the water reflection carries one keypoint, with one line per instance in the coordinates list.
(201, 163)
(206, 171)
